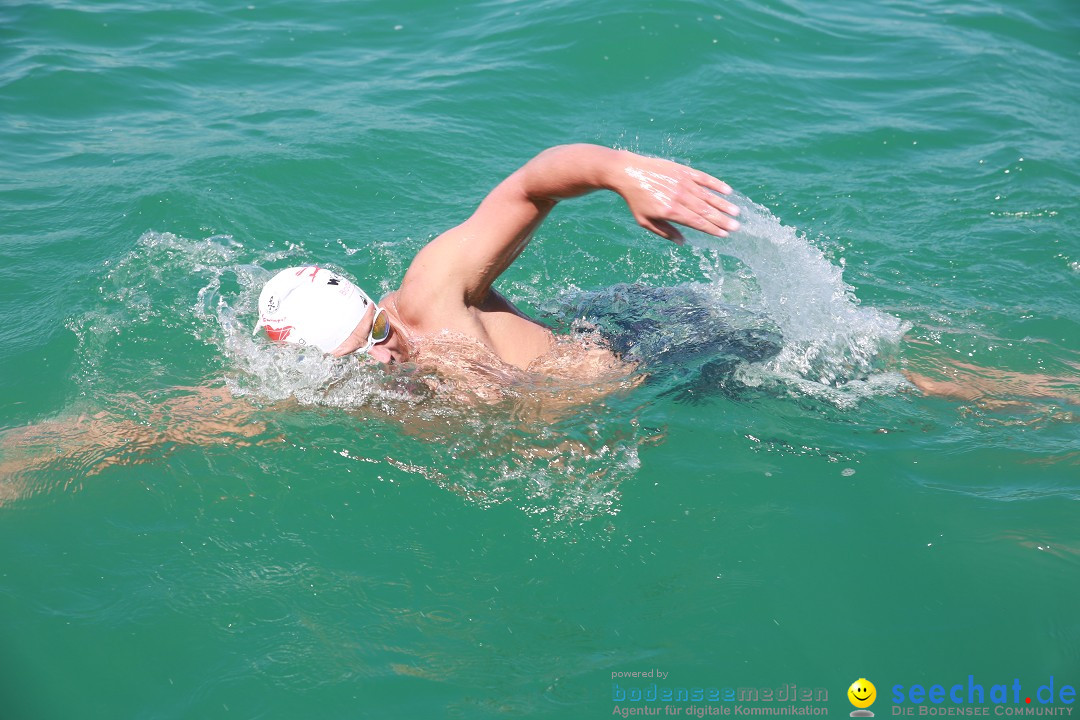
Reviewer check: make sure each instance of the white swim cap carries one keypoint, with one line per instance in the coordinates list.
(311, 306)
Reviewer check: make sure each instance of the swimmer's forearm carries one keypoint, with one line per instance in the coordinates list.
(567, 171)
(658, 192)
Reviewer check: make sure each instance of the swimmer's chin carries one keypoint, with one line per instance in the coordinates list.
(383, 355)
(379, 354)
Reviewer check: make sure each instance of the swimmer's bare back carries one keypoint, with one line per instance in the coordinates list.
(448, 286)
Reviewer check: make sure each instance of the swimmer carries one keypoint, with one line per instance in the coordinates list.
(446, 301)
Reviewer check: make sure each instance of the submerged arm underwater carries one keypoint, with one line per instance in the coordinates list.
(993, 388)
(136, 430)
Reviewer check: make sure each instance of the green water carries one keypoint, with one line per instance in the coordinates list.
(350, 549)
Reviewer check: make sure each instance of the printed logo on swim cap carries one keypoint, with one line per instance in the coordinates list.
(278, 334)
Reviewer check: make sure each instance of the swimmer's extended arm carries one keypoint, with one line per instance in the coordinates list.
(659, 193)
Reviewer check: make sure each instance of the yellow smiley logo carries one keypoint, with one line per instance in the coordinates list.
(862, 693)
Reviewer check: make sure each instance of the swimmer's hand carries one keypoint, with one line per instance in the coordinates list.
(661, 192)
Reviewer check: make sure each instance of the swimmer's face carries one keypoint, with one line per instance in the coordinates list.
(862, 693)
(373, 328)
(378, 333)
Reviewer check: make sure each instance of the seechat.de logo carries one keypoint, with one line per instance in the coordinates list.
(862, 695)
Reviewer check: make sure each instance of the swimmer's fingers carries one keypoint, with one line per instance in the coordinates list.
(698, 203)
(710, 214)
(693, 212)
(661, 193)
(662, 228)
(706, 180)
(698, 221)
(690, 206)
(719, 203)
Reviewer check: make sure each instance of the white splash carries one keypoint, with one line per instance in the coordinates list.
(833, 347)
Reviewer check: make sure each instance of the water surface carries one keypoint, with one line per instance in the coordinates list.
(334, 543)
